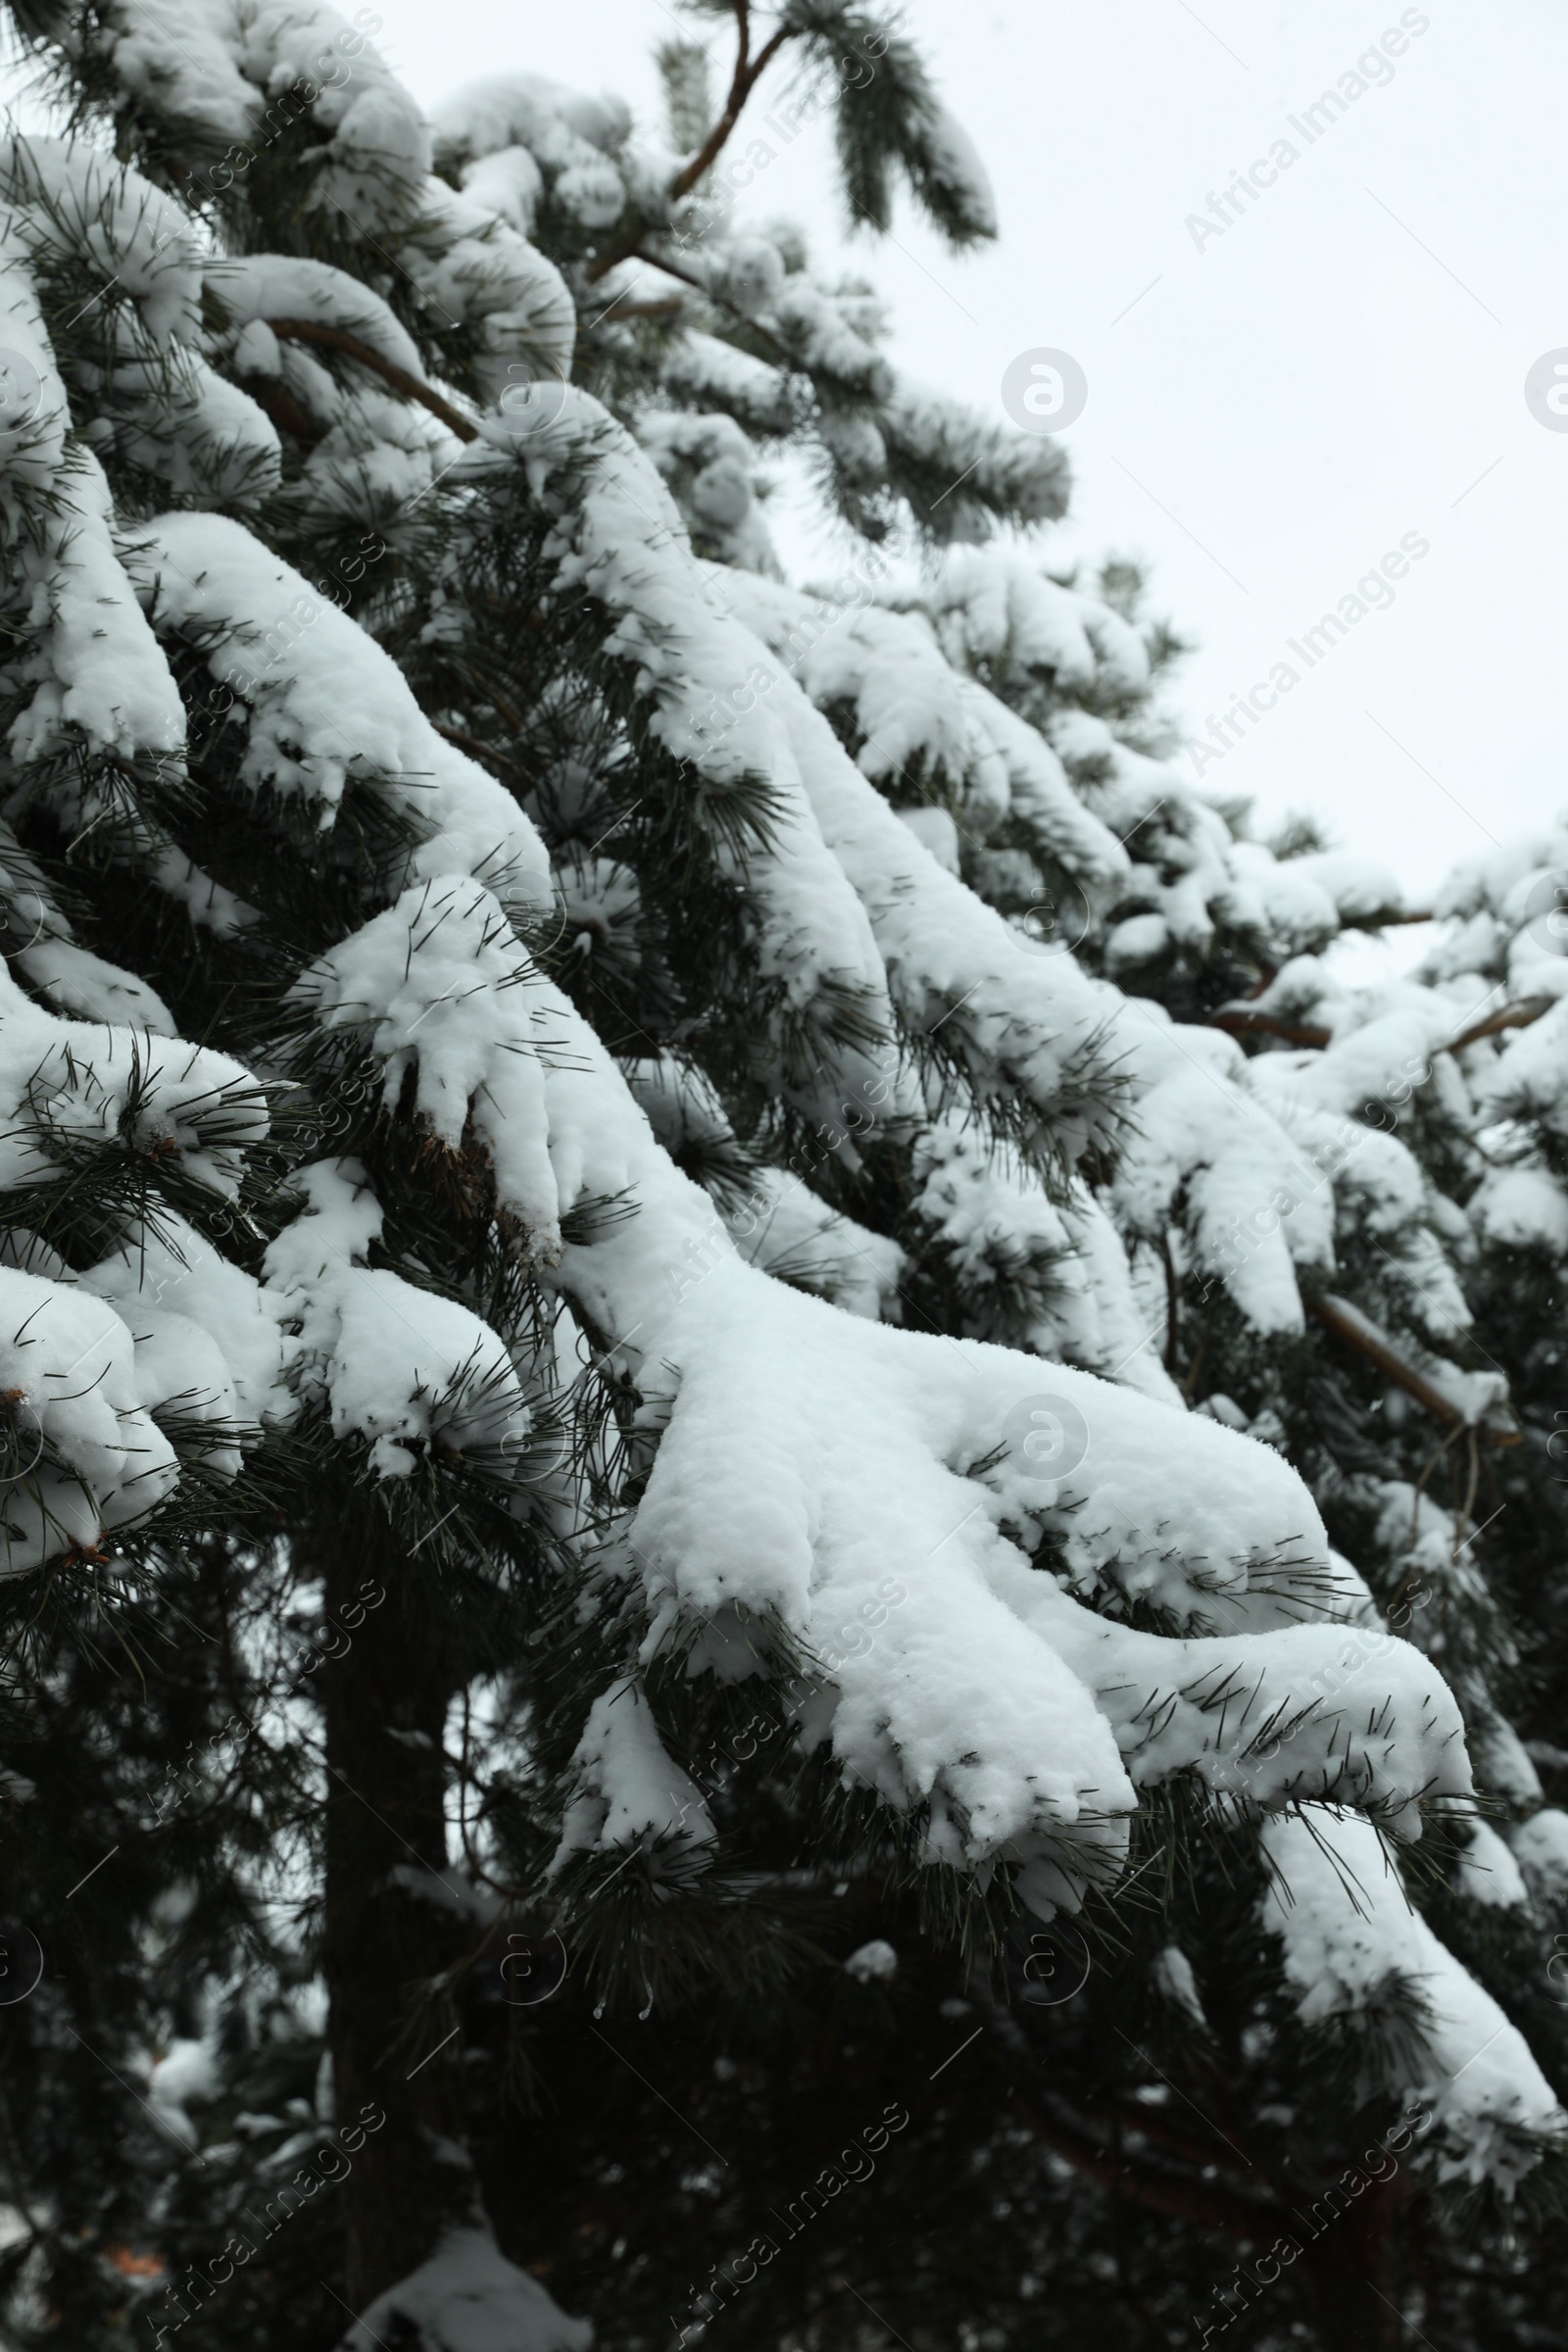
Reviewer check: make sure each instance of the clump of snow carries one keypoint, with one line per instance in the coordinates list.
(1523, 1208)
(254, 287)
(1351, 1939)
(628, 1789)
(468, 2298)
(97, 675)
(813, 1465)
(326, 702)
(213, 66)
(70, 201)
(476, 266)
(1172, 1975)
(912, 710)
(1541, 1847)
(187, 2072)
(175, 1275)
(68, 1084)
(440, 986)
(873, 1963)
(404, 1367)
(1489, 1873)
(82, 1454)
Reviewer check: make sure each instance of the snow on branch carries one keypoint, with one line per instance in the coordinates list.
(1351, 1939)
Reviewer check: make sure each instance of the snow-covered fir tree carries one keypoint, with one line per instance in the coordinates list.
(721, 1339)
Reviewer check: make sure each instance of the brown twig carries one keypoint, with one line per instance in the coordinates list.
(1348, 1326)
(1173, 1328)
(338, 338)
(284, 408)
(741, 83)
(1511, 1016)
(1240, 1023)
(656, 261)
(667, 308)
(1213, 2204)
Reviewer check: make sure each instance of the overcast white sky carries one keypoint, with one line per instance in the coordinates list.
(1267, 415)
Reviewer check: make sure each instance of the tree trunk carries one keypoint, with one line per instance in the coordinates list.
(386, 1943)
(1348, 2276)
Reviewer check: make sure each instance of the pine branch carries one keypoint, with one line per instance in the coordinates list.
(1233, 2211)
(655, 260)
